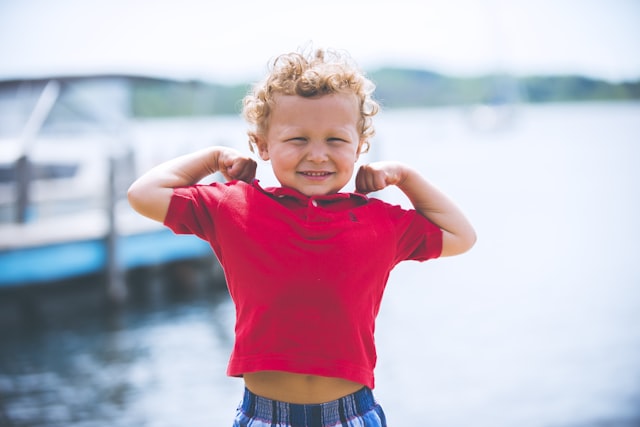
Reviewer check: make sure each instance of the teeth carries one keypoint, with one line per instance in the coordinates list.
(316, 173)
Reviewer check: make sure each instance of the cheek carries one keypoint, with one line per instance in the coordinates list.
(349, 157)
(282, 157)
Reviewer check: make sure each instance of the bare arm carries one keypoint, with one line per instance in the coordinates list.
(151, 194)
(458, 234)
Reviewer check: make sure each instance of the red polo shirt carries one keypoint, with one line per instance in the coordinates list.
(306, 274)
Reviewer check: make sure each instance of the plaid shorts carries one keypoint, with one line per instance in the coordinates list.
(356, 410)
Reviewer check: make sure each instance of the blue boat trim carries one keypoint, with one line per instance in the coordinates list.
(66, 260)
(140, 250)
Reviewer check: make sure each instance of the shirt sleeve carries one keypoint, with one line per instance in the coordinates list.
(418, 238)
(192, 210)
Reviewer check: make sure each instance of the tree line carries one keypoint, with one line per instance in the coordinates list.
(395, 88)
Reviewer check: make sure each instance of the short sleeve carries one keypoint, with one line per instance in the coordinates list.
(418, 238)
(192, 209)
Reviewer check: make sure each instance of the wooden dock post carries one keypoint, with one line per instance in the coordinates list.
(23, 172)
(116, 284)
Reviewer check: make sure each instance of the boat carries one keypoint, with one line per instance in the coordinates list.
(67, 156)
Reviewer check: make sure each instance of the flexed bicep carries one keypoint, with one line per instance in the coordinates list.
(150, 195)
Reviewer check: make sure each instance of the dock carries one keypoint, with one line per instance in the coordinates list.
(70, 150)
(76, 244)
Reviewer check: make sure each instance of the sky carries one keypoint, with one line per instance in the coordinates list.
(232, 41)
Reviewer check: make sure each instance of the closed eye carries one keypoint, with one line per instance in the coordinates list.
(296, 140)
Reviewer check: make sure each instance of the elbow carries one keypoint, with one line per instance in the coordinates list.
(458, 244)
(138, 197)
(149, 200)
(134, 196)
(469, 241)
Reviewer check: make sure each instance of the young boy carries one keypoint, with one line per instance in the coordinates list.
(305, 264)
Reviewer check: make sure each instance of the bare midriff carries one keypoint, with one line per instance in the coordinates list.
(298, 388)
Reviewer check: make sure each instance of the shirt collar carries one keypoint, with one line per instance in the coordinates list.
(295, 194)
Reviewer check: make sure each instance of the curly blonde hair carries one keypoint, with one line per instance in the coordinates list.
(312, 74)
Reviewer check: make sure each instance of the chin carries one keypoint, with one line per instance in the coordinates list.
(316, 192)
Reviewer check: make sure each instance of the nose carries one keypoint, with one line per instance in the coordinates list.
(316, 151)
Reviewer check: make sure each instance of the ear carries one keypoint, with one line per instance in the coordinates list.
(363, 147)
(263, 147)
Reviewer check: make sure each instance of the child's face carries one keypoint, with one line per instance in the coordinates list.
(312, 143)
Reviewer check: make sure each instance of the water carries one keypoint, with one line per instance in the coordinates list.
(537, 326)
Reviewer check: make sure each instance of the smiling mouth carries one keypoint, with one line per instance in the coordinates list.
(315, 174)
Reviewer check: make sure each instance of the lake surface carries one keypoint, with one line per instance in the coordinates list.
(537, 326)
